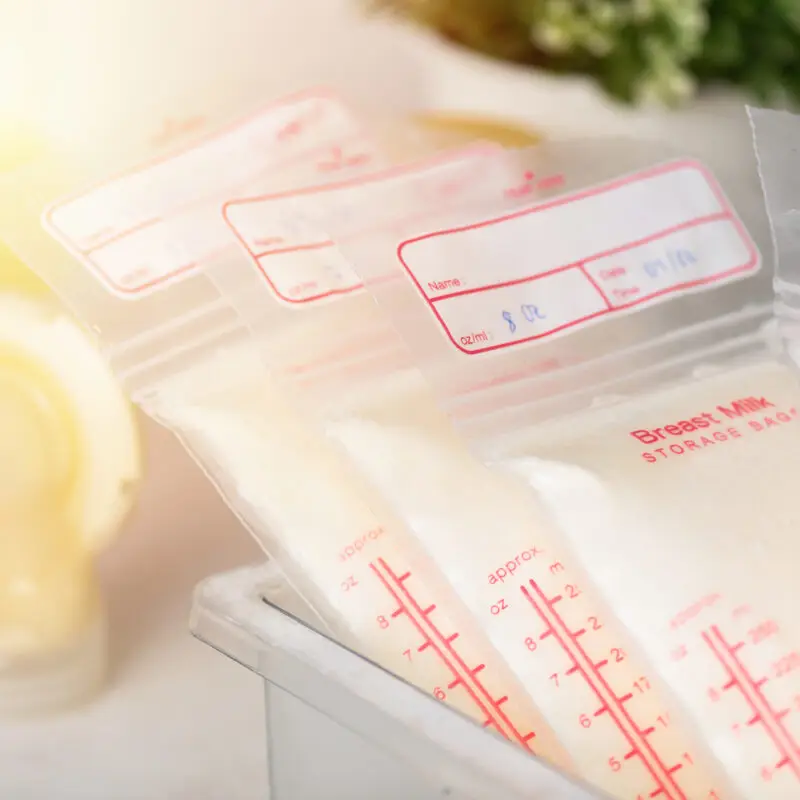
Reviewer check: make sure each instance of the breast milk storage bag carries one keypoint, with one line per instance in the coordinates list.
(142, 246)
(599, 332)
(498, 544)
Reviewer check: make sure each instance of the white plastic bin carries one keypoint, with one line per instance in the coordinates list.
(339, 726)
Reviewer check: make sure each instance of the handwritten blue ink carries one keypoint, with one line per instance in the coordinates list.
(673, 261)
(532, 313)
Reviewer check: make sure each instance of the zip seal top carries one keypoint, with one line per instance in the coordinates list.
(127, 252)
(603, 260)
(304, 304)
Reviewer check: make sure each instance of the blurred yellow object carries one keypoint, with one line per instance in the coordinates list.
(454, 128)
(42, 556)
(71, 460)
(89, 417)
(422, 134)
(16, 277)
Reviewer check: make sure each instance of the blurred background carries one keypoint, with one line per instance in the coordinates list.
(173, 719)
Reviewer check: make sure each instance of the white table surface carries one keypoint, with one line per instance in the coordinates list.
(178, 721)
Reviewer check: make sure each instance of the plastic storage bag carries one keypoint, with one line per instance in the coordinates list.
(484, 531)
(603, 338)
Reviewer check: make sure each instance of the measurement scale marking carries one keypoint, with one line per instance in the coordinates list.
(441, 644)
(637, 740)
(428, 641)
(750, 690)
(500, 716)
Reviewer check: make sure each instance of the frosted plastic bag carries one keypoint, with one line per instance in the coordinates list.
(483, 531)
(606, 343)
(776, 135)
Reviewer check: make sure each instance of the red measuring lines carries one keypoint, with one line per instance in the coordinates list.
(750, 688)
(441, 646)
(610, 703)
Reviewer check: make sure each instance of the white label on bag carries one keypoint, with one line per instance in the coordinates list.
(581, 257)
(291, 248)
(286, 235)
(154, 225)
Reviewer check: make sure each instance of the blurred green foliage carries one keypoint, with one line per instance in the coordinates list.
(639, 50)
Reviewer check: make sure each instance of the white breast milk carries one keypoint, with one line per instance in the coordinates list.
(682, 508)
(369, 579)
(540, 605)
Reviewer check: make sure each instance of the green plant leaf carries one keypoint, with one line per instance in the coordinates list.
(631, 45)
